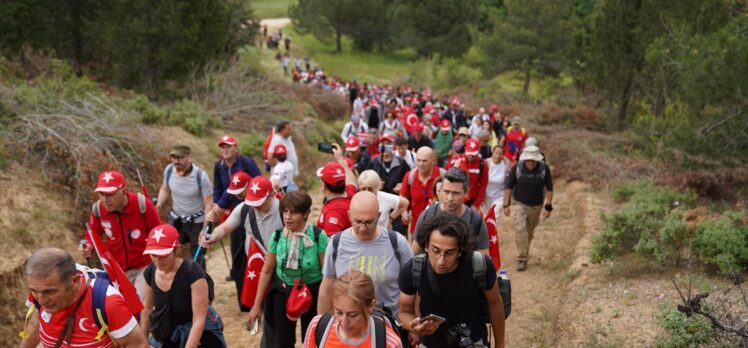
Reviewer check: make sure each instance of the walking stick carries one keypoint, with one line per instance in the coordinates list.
(142, 186)
(200, 246)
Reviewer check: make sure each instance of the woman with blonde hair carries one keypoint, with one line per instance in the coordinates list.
(351, 323)
(390, 206)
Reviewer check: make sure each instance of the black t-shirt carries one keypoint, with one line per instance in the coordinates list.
(414, 144)
(458, 301)
(531, 186)
(179, 297)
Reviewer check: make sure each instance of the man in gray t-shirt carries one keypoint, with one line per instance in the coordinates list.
(366, 248)
(451, 201)
(191, 195)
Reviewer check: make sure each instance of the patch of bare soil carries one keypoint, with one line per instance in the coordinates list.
(563, 300)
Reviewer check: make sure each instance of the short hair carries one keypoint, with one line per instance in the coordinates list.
(280, 158)
(448, 225)
(369, 178)
(297, 202)
(358, 287)
(399, 141)
(457, 175)
(48, 261)
(498, 146)
(281, 126)
(437, 181)
(483, 133)
(337, 189)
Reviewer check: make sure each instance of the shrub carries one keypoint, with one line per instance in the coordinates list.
(191, 116)
(252, 145)
(683, 331)
(649, 219)
(723, 242)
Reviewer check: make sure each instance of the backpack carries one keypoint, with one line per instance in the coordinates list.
(170, 169)
(96, 209)
(475, 224)
(98, 297)
(378, 339)
(479, 275)
(520, 164)
(412, 175)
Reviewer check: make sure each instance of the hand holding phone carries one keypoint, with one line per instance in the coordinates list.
(433, 317)
(324, 147)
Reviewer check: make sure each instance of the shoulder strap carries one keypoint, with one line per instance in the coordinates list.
(417, 269)
(141, 205)
(247, 210)
(199, 175)
(520, 164)
(278, 235)
(98, 298)
(479, 270)
(431, 211)
(335, 243)
(95, 209)
(317, 231)
(169, 170)
(380, 334)
(395, 245)
(323, 329)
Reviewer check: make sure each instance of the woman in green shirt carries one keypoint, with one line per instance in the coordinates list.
(296, 251)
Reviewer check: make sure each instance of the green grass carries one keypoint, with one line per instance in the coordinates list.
(272, 8)
(372, 67)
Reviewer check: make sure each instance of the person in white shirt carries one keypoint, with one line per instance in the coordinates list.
(283, 132)
(355, 127)
(498, 167)
(390, 206)
(283, 170)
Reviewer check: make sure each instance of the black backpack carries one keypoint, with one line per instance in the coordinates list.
(479, 275)
(325, 323)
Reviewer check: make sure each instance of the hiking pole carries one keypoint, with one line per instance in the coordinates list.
(142, 186)
(200, 246)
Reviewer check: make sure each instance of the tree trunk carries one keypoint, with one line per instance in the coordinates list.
(152, 77)
(625, 98)
(526, 85)
(337, 40)
(76, 8)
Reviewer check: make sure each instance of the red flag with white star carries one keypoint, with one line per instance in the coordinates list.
(116, 275)
(493, 236)
(255, 261)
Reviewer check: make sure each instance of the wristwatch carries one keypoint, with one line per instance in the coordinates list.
(549, 207)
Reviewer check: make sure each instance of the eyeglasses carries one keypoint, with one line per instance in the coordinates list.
(368, 223)
(449, 254)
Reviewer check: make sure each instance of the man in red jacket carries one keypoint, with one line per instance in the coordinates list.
(125, 219)
(472, 163)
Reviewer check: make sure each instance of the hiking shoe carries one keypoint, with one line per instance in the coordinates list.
(228, 278)
(522, 266)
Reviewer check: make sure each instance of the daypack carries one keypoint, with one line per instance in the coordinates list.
(475, 224)
(141, 206)
(412, 175)
(247, 210)
(479, 275)
(170, 169)
(541, 166)
(378, 339)
(98, 297)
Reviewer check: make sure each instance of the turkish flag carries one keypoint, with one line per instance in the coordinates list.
(493, 237)
(116, 275)
(255, 261)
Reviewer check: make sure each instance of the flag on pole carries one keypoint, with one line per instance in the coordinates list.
(255, 261)
(493, 236)
(116, 275)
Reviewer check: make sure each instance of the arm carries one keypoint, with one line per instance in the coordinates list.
(265, 276)
(164, 193)
(414, 244)
(199, 312)
(32, 332)
(408, 317)
(548, 191)
(496, 314)
(325, 293)
(350, 178)
(510, 181)
(208, 203)
(402, 206)
(145, 315)
(135, 339)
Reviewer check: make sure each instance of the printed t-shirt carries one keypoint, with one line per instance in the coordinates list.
(419, 194)
(334, 215)
(119, 319)
(376, 258)
(309, 270)
(334, 340)
(283, 171)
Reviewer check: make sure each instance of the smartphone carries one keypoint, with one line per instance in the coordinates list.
(254, 328)
(324, 147)
(433, 317)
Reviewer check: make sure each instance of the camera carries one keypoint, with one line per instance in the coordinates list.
(460, 333)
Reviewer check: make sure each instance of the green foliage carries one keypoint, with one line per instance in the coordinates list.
(534, 35)
(444, 73)
(723, 242)
(251, 145)
(271, 8)
(192, 117)
(649, 223)
(437, 26)
(683, 331)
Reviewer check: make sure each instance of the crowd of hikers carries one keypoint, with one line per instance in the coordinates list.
(404, 252)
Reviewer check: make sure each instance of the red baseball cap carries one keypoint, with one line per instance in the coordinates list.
(258, 190)
(332, 173)
(472, 147)
(445, 124)
(280, 149)
(227, 140)
(352, 143)
(239, 182)
(110, 182)
(494, 108)
(349, 162)
(387, 137)
(161, 240)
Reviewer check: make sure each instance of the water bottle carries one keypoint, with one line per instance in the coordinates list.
(505, 290)
(502, 274)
